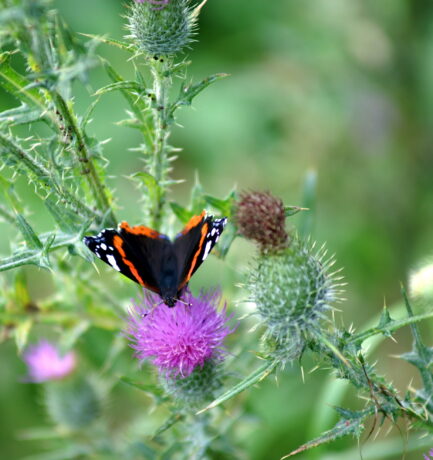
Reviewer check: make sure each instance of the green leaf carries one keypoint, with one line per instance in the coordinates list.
(344, 427)
(183, 214)
(255, 377)
(172, 420)
(19, 86)
(64, 217)
(32, 240)
(226, 240)
(20, 115)
(225, 206)
(130, 48)
(391, 327)
(292, 210)
(384, 321)
(120, 85)
(188, 93)
(153, 390)
(198, 202)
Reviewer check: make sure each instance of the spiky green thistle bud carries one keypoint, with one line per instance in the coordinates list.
(292, 289)
(162, 30)
(196, 389)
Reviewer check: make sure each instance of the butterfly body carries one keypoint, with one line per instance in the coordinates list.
(152, 259)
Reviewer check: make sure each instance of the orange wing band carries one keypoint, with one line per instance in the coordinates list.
(118, 244)
(139, 230)
(193, 222)
(204, 231)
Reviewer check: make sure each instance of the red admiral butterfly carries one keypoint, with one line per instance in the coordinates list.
(152, 260)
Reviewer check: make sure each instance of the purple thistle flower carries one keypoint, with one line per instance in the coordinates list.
(179, 339)
(44, 362)
(159, 4)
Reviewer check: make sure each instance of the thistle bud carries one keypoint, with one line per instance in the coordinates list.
(199, 387)
(260, 216)
(162, 27)
(292, 289)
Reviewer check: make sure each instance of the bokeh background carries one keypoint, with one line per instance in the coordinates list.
(339, 90)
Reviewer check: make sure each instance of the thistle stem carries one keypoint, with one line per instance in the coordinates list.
(82, 155)
(161, 85)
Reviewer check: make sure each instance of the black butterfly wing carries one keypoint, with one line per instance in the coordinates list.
(194, 244)
(136, 252)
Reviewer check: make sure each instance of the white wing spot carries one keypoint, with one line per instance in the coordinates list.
(207, 250)
(112, 261)
(104, 246)
(213, 231)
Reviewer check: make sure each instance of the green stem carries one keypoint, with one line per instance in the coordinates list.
(83, 156)
(159, 168)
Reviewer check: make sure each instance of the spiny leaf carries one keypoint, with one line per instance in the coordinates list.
(117, 43)
(225, 206)
(147, 388)
(226, 240)
(188, 93)
(32, 240)
(197, 197)
(120, 85)
(20, 87)
(292, 210)
(391, 327)
(172, 420)
(65, 218)
(344, 427)
(183, 214)
(255, 377)
(20, 115)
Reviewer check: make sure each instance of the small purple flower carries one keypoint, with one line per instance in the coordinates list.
(179, 339)
(44, 362)
(159, 4)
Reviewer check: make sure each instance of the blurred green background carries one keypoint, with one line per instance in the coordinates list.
(340, 87)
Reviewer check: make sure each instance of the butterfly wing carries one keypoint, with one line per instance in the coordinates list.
(194, 244)
(136, 252)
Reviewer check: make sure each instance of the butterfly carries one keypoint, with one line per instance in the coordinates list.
(152, 259)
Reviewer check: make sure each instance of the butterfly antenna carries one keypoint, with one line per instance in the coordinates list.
(152, 308)
(188, 304)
